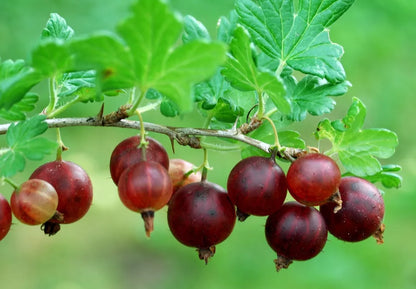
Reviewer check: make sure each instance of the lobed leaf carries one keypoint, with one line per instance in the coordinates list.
(297, 36)
(152, 34)
(51, 57)
(57, 28)
(194, 30)
(24, 142)
(16, 79)
(241, 71)
(105, 53)
(357, 148)
(312, 95)
(17, 111)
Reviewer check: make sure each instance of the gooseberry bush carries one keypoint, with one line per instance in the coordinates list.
(270, 64)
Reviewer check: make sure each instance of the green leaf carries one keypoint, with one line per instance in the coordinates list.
(24, 142)
(387, 177)
(208, 92)
(241, 71)
(152, 34)
(168, 108)
(188, 64)
(57, 28)
(311, 95)
(76, 87)
(17, 111)
(25, 130)
(74, 82)
(227, 111)
(11, 163)
(226, 27)
(51, 57)
(194, 30)
(105, 53)
(153, 94)
(357, 148)
(16, 79)
(297, 36)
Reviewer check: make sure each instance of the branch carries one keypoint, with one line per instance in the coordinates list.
(184, 136)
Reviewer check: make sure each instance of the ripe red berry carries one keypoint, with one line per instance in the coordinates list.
(179, 173)
(74, 189)
(295, 232)
(257, 186)
(201, 215)
(5, 217)
(312, 179)
(34, 202)
(145, 187)
(128, 153)
(361, 214)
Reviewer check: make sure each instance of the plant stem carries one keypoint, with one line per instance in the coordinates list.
(149, 107)
(218, 147)
(205, 166)
(260, 111)
(183, 135)
(135, 99)
(59, 110)
(276, 136)
(143, 142)
(279, 70)
(52, 96)
(61, 146)
(11, 183)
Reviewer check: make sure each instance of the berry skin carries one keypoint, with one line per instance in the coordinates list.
(5, 217)
(34, 202)
(201, 215)
(313, 179)
(361, 214)
(145, 187)
(257, 186)
(128, 153)
(74, 189)
(295, 232)
(178, 170)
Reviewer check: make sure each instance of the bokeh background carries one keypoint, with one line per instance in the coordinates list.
(107, 249)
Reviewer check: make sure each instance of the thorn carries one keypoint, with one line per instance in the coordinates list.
(99, 117)
(172, 142)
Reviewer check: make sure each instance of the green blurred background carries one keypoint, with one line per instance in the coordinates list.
(107, 249)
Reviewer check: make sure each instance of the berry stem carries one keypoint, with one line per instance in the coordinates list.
(276, 136)
(11, 183)
(143, 143)
(204, 166)
(61, 145)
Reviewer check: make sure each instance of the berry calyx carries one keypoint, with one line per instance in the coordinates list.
(34, 202)
(295, 232)
(129, 152)
(361, 214)
(257, 186)
(145, 187)
(201, 215)
(313, 179)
